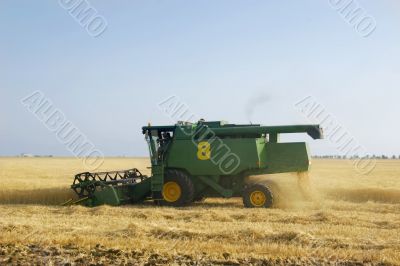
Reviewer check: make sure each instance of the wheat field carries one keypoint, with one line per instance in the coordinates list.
(351, 219)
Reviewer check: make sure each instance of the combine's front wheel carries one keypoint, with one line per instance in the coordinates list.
(178, 189)
(257, 196)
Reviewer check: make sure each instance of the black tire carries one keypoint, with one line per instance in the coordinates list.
(257, 196)
(186, 188)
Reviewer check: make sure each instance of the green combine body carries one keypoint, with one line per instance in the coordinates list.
(190, 162)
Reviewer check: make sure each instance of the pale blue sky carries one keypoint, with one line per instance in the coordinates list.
(217, 56)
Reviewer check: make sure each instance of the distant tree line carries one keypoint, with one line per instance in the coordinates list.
(344, 157)
(34, 155)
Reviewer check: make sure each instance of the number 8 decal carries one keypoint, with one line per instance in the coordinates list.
(204, 151)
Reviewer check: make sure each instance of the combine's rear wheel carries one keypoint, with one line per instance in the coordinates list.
(178, 189)
(257, 196)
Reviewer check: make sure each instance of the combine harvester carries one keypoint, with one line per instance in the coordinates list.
(190, 162)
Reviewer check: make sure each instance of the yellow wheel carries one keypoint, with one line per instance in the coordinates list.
(171, 191)
(258, 198)
(178, 189)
